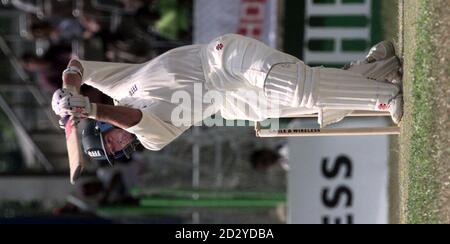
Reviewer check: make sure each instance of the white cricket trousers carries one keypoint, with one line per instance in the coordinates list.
(234, 62)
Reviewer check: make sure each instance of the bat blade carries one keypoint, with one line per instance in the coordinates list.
(75, 153)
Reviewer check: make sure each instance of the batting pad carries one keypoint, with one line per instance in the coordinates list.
(291, 85)
(344, 90)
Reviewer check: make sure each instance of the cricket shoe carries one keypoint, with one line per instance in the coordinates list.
(386, 50)
(395, 108)
(386, 69)
(380, 64)
(381, 51)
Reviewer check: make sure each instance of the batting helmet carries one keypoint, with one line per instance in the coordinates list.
(94, 146)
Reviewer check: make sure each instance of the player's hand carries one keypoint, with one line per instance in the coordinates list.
(76, 106)
(56, 101)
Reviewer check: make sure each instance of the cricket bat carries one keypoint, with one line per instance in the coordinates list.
(76, 159)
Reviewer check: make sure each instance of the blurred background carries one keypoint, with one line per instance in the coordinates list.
(209, 175)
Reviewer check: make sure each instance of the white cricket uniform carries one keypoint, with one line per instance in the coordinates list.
(231, 64)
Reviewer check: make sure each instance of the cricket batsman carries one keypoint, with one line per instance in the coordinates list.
(231, 65)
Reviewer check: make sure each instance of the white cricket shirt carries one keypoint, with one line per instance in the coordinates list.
(150, 87)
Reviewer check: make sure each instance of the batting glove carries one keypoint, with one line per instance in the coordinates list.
(56, 100)
(77, 106)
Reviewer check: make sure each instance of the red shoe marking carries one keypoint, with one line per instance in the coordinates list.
(383, 106)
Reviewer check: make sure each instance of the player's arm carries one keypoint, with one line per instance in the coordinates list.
(121, 117)
(79, 106)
